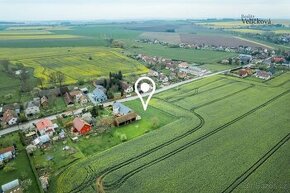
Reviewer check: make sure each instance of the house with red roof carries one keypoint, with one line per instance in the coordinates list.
(278, 59)
(80, 126)
(45, 127)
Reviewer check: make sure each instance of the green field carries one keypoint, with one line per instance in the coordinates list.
(73, 62)
(63, 36)
(220, 133)
(196, 56)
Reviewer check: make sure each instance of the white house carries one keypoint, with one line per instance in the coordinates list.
(32, 107)
(126, 87)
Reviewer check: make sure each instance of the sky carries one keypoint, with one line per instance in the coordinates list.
(29, 10)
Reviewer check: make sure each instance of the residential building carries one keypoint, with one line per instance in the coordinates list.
(7, 154)
(183, 65)
(10, 117)
(81, 126)
(45, 126)
(126, 87)
(32, 107)
(99, 96)
(263, 75)
(153, 73)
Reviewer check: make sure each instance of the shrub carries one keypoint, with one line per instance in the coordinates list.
(123, 137)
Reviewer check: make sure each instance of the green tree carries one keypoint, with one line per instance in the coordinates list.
(120, 75)
(95, 111)
(5, 64)
(25, 184)
(110, 94)
(9, 167)
(52, 78)
(22, 118)
(60, 78)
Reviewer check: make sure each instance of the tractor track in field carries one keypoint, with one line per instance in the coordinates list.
(256, 165)
(190, 95)
(203, 85)
(224, 97)
(102, 187)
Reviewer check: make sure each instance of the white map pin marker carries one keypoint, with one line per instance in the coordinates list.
(145, 87)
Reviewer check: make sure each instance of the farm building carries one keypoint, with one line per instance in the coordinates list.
(263, 75)
(81, 126)
(119, 109)
(125, 119)
(10, 117)
(7, 153)
(12, 187)
(45, 126)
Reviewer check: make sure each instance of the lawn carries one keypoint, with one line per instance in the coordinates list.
(76, 63)
(238, 122)
(94, 144)
(21, 164)
(10, 87)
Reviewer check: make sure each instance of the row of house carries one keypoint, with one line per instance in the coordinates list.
(9, 114)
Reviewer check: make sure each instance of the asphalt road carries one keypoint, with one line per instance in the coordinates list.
(29, 124)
